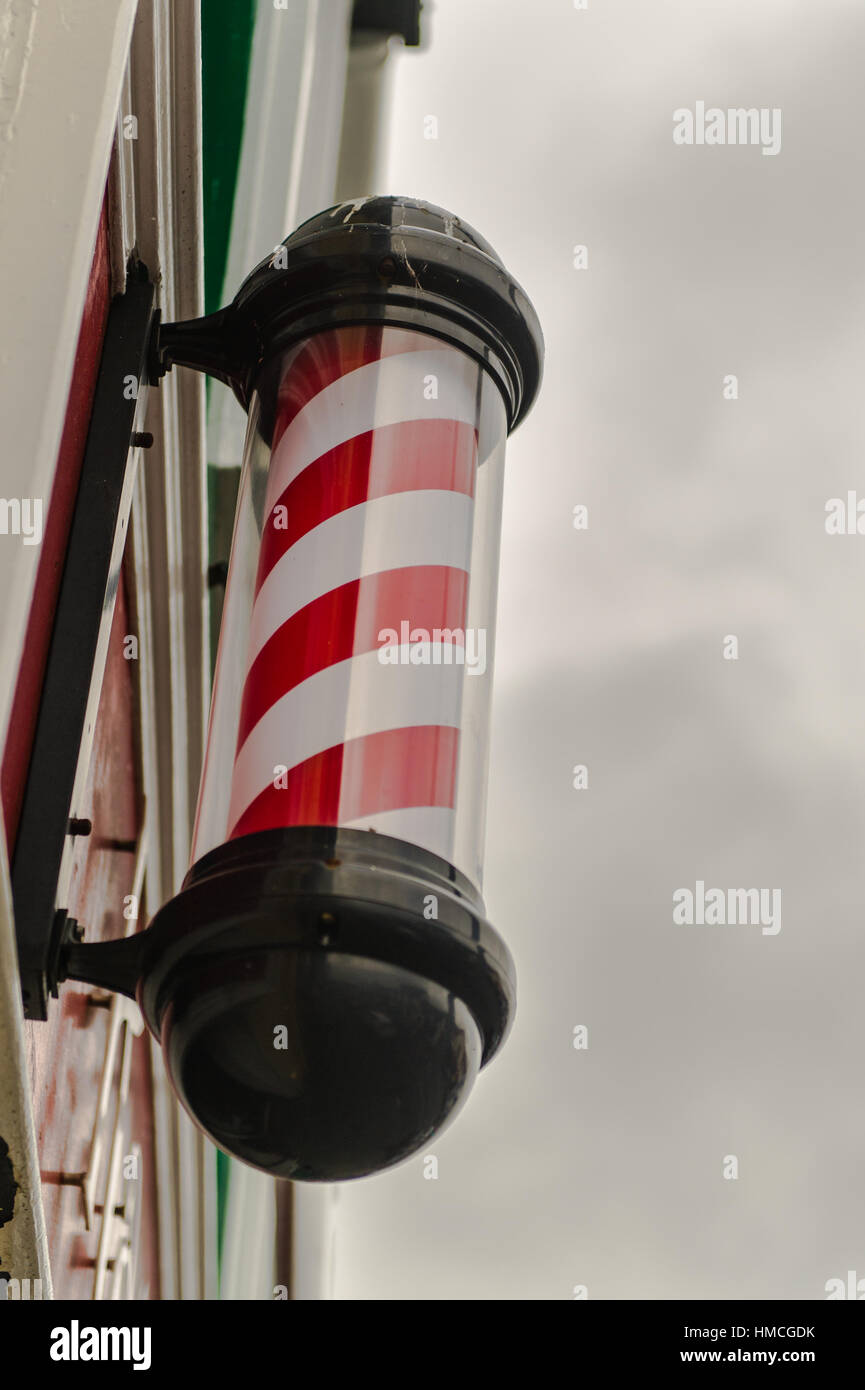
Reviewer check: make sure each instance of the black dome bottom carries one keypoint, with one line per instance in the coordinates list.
(316, 1066)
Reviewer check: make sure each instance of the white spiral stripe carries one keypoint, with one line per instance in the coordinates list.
(348, 700)
(389, 391)
(392, 532)
(431, 827)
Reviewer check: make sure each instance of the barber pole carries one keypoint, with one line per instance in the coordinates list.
(325, 985)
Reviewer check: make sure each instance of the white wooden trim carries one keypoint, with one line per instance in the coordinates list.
(159, 196)
(61, 70)
(166, 97)
(314, 1217)
(368, 93)
(250, 1235)
(288, 156)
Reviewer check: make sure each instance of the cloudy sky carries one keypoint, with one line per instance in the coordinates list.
(605, 1167)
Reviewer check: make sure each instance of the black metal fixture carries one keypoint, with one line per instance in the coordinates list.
(79, 639)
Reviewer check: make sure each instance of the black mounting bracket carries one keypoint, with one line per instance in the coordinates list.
(82, 622)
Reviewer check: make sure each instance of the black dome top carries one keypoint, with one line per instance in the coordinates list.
(386, 260)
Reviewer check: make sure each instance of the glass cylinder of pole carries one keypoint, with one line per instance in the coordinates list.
(354, 670)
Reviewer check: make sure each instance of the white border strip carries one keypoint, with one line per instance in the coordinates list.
(160, 194)
(288, 156)
(63, 67)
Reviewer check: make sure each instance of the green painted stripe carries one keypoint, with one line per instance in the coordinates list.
(226, 46)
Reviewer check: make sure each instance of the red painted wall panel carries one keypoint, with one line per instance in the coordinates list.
(25, 703)
(66, 1054)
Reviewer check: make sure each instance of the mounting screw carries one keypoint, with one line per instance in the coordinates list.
(79, 825)
(142, 439)
(326, 928)
(72, 1179)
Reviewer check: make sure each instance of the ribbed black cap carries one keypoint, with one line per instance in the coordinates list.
(387, 260)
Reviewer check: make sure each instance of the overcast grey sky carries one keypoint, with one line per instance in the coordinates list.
(605, 1167)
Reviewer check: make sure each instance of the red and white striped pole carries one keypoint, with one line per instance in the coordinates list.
(368, 529)
(334, 895)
